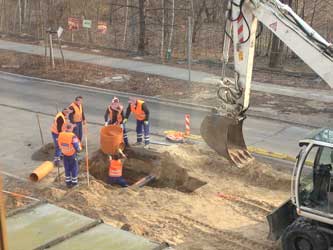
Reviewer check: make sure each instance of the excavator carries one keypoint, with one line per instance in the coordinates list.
(305, 221)
(223, 128)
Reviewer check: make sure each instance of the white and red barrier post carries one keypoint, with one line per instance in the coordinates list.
(187, 125)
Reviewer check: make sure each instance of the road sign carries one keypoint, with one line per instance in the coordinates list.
(73, 23)
(102, 27)
(86, 24)
(60, 31)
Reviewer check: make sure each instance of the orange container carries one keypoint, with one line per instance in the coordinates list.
(40, 172)
(111, 139)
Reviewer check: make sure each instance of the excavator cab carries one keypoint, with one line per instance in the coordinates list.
(306, 220)
(225, 135)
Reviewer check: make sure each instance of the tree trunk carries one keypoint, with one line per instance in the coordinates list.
(125, 25)
(142, 27)
(172, 25)
(314, 12)
(20, 15)
(276, 55)
(162, 31)
(2, 15)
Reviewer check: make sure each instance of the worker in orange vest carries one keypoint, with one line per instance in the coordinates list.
(114, 115)
(141, 112)
(116, 171)
(77, 116)
(59, 125)
(70, 145)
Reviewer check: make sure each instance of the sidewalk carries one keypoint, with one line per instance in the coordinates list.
(168, 71)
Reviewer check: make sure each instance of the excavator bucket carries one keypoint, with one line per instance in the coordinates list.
(225, 136)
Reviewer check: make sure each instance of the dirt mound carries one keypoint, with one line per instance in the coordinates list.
(203, 161)
(45, 153)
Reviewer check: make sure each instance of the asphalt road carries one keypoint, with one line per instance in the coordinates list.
(43, 96)
(168, 71)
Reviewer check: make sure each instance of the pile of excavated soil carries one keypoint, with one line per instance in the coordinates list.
(202, 160)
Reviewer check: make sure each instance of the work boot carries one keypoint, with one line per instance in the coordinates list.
(69, 185)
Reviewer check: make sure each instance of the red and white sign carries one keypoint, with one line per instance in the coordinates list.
(73, 23)
(102, 27)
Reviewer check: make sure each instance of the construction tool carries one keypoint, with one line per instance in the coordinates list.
(58, 166)
(3, 228)
(144, 181)
(40, 129)
(87, 155)
(20, 195)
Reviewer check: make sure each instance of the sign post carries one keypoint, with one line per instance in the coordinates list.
(73, 24)
(86, 24)
(59, 34)
(189, 47)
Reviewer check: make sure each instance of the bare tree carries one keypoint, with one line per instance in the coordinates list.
(142, 27)
(125, 25)
(172, 25)
(162, 31)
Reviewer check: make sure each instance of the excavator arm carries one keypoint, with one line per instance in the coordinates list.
(222, 130)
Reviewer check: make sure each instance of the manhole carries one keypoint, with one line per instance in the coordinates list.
(141, 163)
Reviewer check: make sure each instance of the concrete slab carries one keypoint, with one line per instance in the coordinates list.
(30, 229)
(106, 237)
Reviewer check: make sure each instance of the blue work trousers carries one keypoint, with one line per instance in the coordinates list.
(118, 180)
(142, 129)
(71, 170)
(57, 151)
(78, 130)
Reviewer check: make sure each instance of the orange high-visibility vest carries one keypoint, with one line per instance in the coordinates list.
(65, 142)
(138, 111)
(54, 127)
(77, 116)
(115, 168)
(119, 117)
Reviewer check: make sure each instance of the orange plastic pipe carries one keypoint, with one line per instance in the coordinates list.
(40, 172)
(111, 139)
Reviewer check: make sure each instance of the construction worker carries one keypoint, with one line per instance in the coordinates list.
(59, 124)
(70, 145)
(114, 115)
(141, 112)
(77, 116)
(116, 170)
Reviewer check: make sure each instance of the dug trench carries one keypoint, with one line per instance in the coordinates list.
(140, 163)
